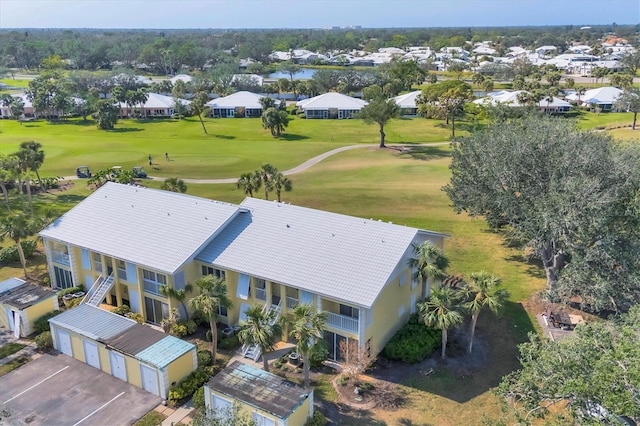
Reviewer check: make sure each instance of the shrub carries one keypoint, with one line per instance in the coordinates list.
(204, 358)
(198, 398)
(42, 324)
(178, 329)
(198, 318)
(73, 302)
(10, 254)
(207, 336)
(136, 317)
(44, 341)
(343, 380)
(318, 354)
(318, 419)
(190, 384)
(228, 343)
(413, 342)
(190, 326)
(122, 310)
(69, 290)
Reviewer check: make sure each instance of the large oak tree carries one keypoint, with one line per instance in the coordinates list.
(571, 197)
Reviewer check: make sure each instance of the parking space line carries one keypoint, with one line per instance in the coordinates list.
(100, 408)
(37, 384)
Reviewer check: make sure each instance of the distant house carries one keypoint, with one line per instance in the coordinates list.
(407, 103)
(556, 105)
(181, 77)
(239, 104)
(269, 400)
(331, 105)
(27, 111)
(156, 106)
(604, 97)
(22, 303)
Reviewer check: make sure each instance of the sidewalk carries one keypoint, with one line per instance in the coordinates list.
(29, 351)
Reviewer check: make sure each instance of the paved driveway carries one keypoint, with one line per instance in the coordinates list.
(59, 390)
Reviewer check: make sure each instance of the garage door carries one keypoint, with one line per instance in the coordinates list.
(118, 368)
(91, 356)
(64, 342)
(149, 379)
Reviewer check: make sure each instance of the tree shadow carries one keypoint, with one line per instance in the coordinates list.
(342, 415)
(225, 137)
(534, 267)
(462, 377)
(292, 137)
(470, 127)
(125, 130)
(425, 153)
(69, 198)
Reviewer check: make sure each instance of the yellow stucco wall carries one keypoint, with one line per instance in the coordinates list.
(385, 321)
(300, 414)
(76, 345)
(181, 367)
(103, 353)
(134, 375)
(4, 321)
(39, 309)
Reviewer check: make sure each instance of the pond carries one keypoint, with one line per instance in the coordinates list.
(303, 74)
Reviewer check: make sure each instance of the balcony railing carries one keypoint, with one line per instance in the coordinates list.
(292, 302)
(342, 322)
(261, 294)
(61, 258)
(152, 287)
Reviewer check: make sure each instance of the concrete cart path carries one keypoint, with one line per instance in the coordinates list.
(301, 167)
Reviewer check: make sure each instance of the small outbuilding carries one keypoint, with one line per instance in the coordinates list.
(135, 353)
(22, 303)
(268, 399)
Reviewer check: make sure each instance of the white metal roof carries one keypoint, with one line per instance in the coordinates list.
(511, 99)
(601, 95)
(343, 257)
(92, 322)
(158, 101)
(238, 99)
(408, 100)
(332, 100)
(158, 229)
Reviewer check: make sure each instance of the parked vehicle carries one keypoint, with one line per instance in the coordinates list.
(83, 172)
(138, 172)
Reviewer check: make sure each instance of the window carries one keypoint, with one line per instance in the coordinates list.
(243, 287)
(261, 420)
(60, 254)
(153, 281)
(208, 270)
(155, 310)
(122, 269)
(414, 277)
(63, 277)
(349, 311)
(222, 311)
(400, 311)
(261, 288)
(97, 262)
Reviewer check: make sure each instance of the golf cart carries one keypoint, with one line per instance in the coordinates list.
(138, 172)
(83, 172)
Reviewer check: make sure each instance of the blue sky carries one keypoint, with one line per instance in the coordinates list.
(311, 13)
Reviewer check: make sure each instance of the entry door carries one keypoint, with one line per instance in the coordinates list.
(64, 343)
(118, 368)
(91, 356)
(10, 318)
(149, 379)
(17, 323)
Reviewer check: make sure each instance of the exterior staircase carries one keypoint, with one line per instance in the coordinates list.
(99, 290)
(253, 351)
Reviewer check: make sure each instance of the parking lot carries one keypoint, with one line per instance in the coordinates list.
(59, 390)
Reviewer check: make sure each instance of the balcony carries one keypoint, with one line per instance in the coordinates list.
(261, 294)
(342, 322)
(61, 258)
(152, 287)
(292, 302)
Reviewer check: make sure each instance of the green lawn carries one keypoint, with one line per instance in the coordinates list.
(232, 147)
(10, 348)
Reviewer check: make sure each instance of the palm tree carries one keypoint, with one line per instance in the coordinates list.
(174, 184)
(429, 263)
(17, 227)
(482, 292)
(4, 176)
(250, 182)
(267, 172)
(441, 310)
(276, 120)
(305, 324)
(260, 329)
(34, 157)
(579, 92)
(213, 295)
(281, 182)
(179, 295)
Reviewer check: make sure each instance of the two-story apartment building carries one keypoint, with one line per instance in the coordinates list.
(126, 241)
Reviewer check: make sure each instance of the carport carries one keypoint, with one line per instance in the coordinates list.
(59, 390)
(119, 346)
